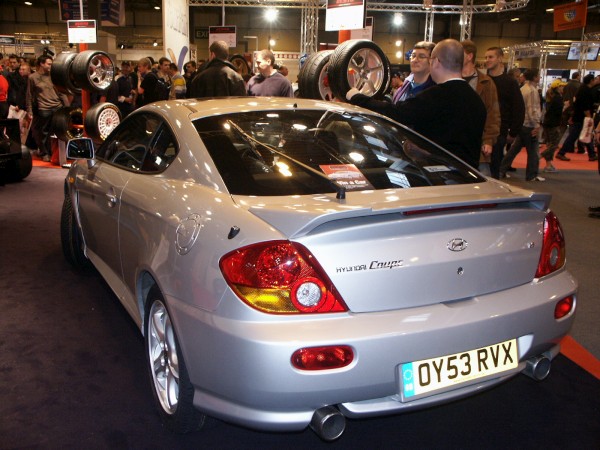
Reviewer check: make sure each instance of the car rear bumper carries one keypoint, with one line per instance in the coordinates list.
(242, 372)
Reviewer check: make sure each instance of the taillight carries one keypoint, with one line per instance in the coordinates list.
(552, 257)
(280, 277)
(322, 358)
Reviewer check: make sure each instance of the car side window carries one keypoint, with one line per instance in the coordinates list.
(142, 143)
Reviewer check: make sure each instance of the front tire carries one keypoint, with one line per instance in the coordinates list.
(360, 64)
(70, 237)
(171, 386)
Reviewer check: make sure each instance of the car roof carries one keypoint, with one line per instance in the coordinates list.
(196, 108)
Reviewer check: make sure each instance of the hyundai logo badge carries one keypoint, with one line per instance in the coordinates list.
(457, 245)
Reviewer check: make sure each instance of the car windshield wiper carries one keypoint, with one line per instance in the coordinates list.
(340, 190)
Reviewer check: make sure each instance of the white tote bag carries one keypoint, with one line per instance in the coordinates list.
(585, 137)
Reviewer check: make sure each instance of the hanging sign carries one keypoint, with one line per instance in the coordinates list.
(570, 16)
(225, 33)
(345, 15)
(82, 31)
(364, 33)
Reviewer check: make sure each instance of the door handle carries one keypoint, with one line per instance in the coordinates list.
(112, 200)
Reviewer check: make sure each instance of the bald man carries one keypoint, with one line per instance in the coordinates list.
(451, 113)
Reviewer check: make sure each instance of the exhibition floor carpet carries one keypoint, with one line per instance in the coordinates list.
(73, 372)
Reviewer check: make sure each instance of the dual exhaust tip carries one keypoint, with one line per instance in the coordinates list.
(329, 423)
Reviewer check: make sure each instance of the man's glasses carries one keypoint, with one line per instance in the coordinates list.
(420, 57)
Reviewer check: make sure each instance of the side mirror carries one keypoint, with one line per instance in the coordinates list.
(80, 148)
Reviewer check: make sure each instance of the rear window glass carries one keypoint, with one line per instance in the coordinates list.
(300, 152)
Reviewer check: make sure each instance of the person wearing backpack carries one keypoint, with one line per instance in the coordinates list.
(147, 90)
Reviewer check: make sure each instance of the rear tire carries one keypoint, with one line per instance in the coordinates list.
(70, 237)
(171, 386)
(313, 80)
(360, 64)
(62, 75)
(67, 123)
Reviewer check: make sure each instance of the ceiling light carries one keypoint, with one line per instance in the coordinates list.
(28, 3)
(155, 44)
(271, 14)
(272, 42)
(398, 19)
(398, 43)
(156, 7)
(550, 10)
(514, 19)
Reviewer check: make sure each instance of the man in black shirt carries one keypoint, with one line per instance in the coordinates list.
(147, 88)
(450, 113)
(512, 106)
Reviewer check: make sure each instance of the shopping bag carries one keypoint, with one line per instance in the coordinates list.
(585, 137)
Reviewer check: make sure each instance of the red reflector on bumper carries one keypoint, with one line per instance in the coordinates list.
(563, 307)
(322, 358)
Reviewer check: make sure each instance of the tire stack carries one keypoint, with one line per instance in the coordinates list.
(357, 63)
(93, 71)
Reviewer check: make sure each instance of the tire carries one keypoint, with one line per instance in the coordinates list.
(93, 70)
(24, 165)
(360, 64)
(62, 75)
(240, 64)
(171, 386)
(67, 123)
(313, 81)
(70, 237)
(100, 120)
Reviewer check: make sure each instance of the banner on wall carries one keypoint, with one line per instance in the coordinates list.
(112, 13)
(570, 16)
(176, 31)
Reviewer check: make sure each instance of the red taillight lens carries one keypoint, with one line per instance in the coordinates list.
(552, 257)
(322, 358)
(563, 307)
(280, 277)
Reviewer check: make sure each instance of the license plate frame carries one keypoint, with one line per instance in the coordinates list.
(427, 377)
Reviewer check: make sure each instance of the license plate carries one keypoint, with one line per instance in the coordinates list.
(422, 378)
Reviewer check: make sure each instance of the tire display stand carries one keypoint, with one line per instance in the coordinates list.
(82, 73)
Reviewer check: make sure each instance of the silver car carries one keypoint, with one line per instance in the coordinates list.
(295, 262)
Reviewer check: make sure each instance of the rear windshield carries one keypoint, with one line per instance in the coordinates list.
(301, 152)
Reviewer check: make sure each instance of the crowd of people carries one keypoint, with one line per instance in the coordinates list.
(498, 111)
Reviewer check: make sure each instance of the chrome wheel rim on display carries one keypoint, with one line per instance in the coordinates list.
(366, 71)
(101, 71)
(162, 352)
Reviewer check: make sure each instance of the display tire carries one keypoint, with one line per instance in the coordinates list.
(240, 63)
(361, 64)
(100, 120)
(67, 123)
(93, 70)
(313, 81)
(70, 237)
(167, 368)
(62, 74)
(24, 165)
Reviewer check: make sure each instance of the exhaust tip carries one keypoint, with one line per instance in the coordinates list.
(538, 367)
(328, 422)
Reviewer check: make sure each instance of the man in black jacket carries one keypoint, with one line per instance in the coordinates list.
(218, 77)
(450, 113)
(512, 106)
